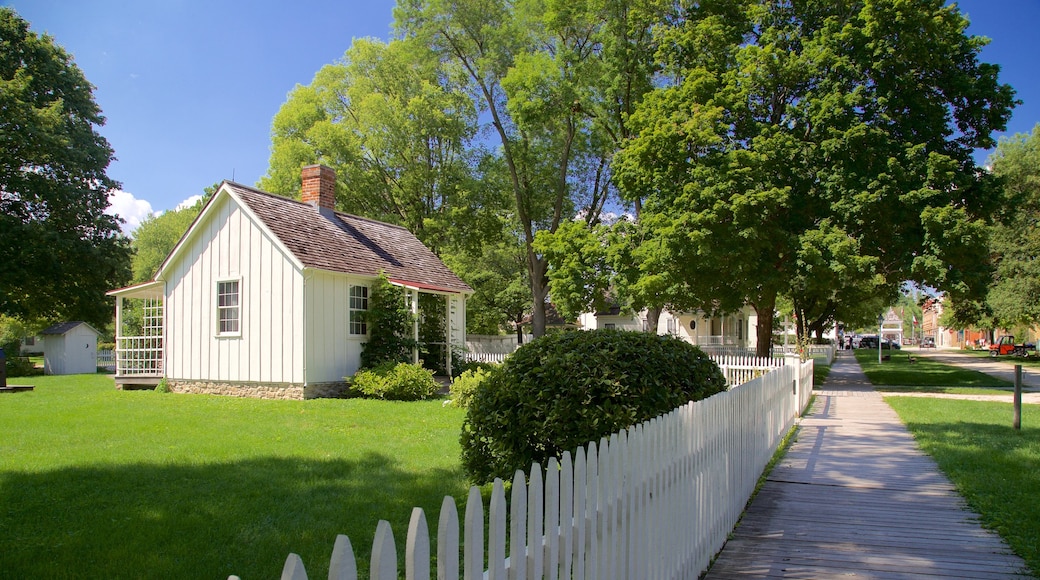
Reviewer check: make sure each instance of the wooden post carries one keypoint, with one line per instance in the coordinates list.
(3, 369)
(1018, 398)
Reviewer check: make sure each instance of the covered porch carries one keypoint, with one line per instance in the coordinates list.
(140, 335)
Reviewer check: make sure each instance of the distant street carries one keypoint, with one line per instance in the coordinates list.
(1002, 367)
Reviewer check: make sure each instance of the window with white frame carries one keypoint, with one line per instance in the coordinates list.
(671, 325)
(229, 307)
(358, 305)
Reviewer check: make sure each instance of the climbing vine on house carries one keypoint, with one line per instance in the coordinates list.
(389, 324)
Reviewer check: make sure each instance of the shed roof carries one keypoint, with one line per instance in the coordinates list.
(64, 327)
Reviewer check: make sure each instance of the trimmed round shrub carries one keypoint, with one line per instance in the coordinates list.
(462, 388)
(564, 390)
(396, 382)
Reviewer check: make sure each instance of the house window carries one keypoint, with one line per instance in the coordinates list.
(358, 305)
(671, 326)
(610, 326)
(740, 329)
(228, 308)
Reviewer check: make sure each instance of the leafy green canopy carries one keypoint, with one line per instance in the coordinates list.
(60, 251)
(815, 149)
(1014, 296)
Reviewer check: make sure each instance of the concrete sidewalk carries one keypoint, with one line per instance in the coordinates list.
(854, 496)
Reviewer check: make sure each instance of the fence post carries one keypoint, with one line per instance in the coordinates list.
(795, 361)
(3, 369)
(1018, 398)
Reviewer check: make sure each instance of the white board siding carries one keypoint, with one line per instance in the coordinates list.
(332, 352)
(230, 246)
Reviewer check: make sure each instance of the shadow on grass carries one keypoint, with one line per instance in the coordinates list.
(997, 469)
(207, 520)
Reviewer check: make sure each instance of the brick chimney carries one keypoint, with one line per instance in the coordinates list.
(319, 186)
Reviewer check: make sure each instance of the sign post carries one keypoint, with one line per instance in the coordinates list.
(1017, 424)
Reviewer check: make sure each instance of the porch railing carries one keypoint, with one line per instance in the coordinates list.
(139, 356)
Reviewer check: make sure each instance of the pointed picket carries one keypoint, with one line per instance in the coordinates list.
(518, 528)
(553, 530)
(579, 516)
(496, 560)
(566, 515)
(293, 569)
(384, 553)
(473, 546)
(343, 565)
(535, 523)
(448, 541)
(417, 547)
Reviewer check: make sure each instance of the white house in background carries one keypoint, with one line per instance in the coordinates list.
(70, 348)
(262, 296)
(737, 330)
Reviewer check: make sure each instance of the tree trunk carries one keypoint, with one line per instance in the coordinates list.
(765, 309)
(653, 317)
(539, 292)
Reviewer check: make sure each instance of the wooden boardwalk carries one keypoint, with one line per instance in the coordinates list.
(855, 497)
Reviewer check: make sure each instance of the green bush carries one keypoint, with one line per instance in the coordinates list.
(563, 390)
(474, 366)
(464, 385)
(395, 382)
(21, 366)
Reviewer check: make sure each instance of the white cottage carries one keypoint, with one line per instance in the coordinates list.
(263, 294)
(730, 333)
(70, 348)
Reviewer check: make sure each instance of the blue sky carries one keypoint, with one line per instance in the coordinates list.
(189, 87)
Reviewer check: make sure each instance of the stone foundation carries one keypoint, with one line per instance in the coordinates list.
(288, 391)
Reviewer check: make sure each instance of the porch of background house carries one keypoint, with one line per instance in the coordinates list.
(139, 353)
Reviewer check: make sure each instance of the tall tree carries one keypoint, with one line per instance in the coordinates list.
(157, 236)
(61, 252)
(539, 70)
(781, 128)
(1014, 297)
(392, 125)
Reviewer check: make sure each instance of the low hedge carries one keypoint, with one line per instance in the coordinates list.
(395, 382)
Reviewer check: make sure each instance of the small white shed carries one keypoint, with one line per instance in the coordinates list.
(70, 348)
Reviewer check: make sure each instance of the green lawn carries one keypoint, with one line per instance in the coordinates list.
(100, 483)
(995, 468)
(899, 371)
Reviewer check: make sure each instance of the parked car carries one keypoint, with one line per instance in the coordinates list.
(928, 342)
(872, 342)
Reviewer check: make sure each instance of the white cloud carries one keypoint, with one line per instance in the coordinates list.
(132, 210)
(188, 202)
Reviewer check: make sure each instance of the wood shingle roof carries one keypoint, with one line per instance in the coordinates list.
(339, 242)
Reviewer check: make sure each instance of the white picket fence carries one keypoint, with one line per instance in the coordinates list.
(742, 369)
(488, 357)
(656, 501)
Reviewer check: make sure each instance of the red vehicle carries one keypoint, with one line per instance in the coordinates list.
(1006, 346)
